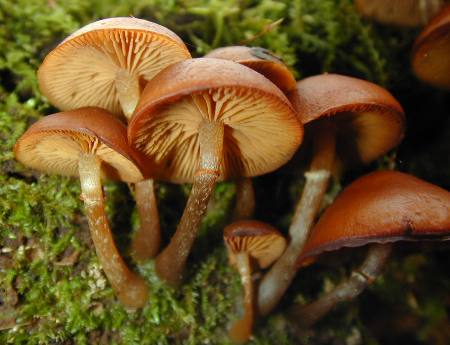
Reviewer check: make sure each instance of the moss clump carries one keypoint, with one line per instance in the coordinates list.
(51, 287)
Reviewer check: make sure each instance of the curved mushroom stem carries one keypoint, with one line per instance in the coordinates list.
(245, 199)
(147, 240)
(278, 279)
(171, 262)
(241, 330)
(131, 289)
(128, 90)
(365, 275)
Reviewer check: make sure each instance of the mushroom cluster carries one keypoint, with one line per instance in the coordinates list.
(136, 107)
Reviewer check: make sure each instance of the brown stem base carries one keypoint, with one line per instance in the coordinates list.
(308, 315)
(245, 199)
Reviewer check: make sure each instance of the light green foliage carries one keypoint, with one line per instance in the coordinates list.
(46, 255)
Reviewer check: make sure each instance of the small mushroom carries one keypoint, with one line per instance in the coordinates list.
(272, 67)
(250, 241)
(106, 64)
(89, 143)
(404, 13)
(377, 209)
(431, 51)
(204, 120)
(348, 121)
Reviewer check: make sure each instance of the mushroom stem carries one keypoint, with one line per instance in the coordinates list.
(278, 279)
(128, 91)
(346, 291)
(131, 289)
(171, 261)
(147, 240)
(245, 199)
(241, 330)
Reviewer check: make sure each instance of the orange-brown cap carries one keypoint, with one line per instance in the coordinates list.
(262, 131)
(369, 120)
(81, 70)
(260, 60)
(431, 51)
(384, 206)
(405, 13)
(261, 241)
(54, 143)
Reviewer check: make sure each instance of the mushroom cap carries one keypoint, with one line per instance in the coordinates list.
(261, 133)
(381, 207)
(260, 60)
(54, 143)
(405, 13)
(82, 69)
(369, 120)
(261, 241)
(431, 51)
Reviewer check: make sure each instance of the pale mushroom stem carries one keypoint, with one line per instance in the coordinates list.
(147, 240)
(241, 330)
(172, 260)
(308, 315)
(245, 199)
(131, 289)
(128, 90)
(277, 280)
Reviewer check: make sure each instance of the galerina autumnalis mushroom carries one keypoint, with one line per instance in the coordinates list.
(349, 121)
(89, 143)
(431, 51)
(404, 13)
(272, 67)
(107, 64)
(377, 209)
(204, 120)
(250, 243)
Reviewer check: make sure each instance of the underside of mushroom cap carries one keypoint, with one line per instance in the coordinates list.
(261, 128)
(369, 120)
(384, 206)
(53, 144)
(260, 60)
(82, 70)
(261, 241)
(431, 52)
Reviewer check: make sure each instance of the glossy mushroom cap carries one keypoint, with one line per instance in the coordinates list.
(369, 120)
(261, 129)
(384, 206)
(261, 241)
(260, 60)
(54, 143)
(431, 51)
(82, 70)
(405, 13)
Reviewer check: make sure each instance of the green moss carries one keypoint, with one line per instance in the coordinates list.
(46, 255)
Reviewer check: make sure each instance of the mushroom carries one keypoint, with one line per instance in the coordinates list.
(90, 143)
(250, 241)
(376, 209)
(204, 120)
(431, 51)
(348, 121)
(404, 13)
(106, 64)
(272, 67)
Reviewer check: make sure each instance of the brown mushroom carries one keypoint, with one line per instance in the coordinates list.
(209, 120)
(377, 209)
(89, 143)
(272, 67)
(349, 121)
(250, 241)
(404, 13)
(431, 51)
(106, 64)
